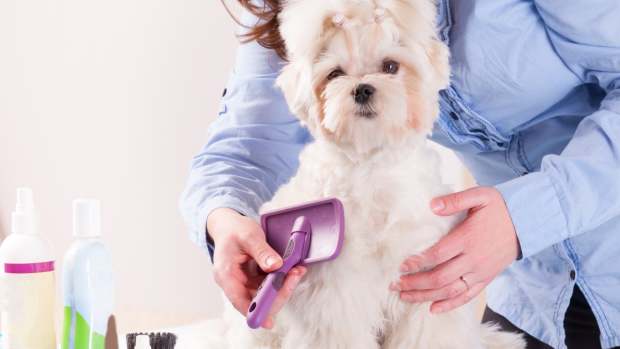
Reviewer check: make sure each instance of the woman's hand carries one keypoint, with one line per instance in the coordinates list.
(241, 252)
(462, 263)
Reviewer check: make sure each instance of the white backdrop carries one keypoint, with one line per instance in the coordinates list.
(111, 99)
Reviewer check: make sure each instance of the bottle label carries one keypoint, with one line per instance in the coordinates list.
(88, 296)
(77, 333)
(28, 314)
(28, 268)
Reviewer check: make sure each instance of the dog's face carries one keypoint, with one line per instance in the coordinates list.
(363, 74)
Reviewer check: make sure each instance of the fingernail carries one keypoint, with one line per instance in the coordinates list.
(410, 269)
(437, 205)
(270, 261)
(394, 286)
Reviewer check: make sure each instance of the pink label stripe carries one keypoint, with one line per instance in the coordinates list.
(28, 268)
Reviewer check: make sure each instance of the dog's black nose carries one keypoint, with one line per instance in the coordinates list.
(362, 93)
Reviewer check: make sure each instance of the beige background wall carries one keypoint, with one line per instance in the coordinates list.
(110, 99)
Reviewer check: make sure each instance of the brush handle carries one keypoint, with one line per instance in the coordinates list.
(262, 302)
(268, 290)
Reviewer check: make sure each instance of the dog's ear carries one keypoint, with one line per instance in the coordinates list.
(296, 85)
(439, 57)
(423, 104)
(424, 109)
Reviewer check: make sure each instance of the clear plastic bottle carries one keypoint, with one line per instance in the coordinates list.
(27, 285)
(88, 283)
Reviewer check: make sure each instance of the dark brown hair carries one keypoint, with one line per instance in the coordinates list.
(266, 33)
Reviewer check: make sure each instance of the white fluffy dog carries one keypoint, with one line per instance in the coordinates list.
(364, 78)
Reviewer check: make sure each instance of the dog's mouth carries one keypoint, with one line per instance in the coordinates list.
(366, 112)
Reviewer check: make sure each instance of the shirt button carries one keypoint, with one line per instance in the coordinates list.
(454, 116)
(572, 275)
(224, 93)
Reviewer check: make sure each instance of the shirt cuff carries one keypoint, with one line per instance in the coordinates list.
(200, 235)
(535, 210)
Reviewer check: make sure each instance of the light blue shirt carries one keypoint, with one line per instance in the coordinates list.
(533, 109)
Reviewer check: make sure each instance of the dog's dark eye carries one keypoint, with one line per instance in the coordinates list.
(390, 66)
(335, 73)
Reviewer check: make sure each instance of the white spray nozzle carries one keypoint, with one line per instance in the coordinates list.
(23, 219)
(25, 203)
(86, 218)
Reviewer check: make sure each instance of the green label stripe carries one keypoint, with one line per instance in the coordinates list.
(66, 328)
(83, 336)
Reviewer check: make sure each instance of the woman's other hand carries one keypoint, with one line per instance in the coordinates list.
(241, 259)
(462, 263)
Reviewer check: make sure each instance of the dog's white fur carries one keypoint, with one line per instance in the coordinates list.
(380, 167)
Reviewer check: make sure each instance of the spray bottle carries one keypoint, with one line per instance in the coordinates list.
(27, 273)
(88, 283)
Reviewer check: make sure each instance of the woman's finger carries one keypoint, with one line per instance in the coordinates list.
(237, 294)
(450, 204)
(254, 275)
(252, 269)
(441, 276)
(455, 302)
(447, 248)
(290, 282)
(420, 296)
(232, 280)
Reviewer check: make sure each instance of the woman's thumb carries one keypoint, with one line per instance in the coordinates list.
(265, 256)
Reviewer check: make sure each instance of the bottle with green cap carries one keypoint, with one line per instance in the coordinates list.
(88, 283)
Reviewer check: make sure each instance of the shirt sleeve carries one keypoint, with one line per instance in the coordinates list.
(252, 148)
(577, 190)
